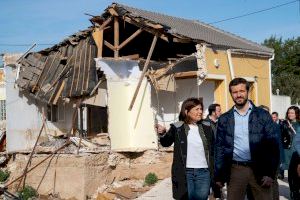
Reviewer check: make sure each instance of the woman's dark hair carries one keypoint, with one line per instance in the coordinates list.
(297, 112)
(237, 81)
(187, 105)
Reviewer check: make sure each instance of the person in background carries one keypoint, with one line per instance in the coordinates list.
(214, 112)
(193, 158)
(294, 169)
(291, 128)
(246, 147)
(276, 119)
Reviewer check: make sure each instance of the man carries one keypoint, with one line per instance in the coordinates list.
(275, 118)
(214, 112)
(246, 149)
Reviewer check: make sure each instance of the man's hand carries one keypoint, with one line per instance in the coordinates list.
(220, 184)
(267, 181)
(298, 170)
(160, 129)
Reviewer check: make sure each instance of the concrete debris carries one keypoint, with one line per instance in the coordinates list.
(124, 192)
(83, 143)
(106, 196)
(102, 139)
(2, 159)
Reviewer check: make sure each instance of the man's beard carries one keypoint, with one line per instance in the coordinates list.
(242, 103)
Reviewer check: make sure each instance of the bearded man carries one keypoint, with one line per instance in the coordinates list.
(246, 148)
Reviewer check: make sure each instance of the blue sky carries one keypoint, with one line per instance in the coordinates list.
(50, 21)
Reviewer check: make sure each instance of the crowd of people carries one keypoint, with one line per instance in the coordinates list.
(246, 149)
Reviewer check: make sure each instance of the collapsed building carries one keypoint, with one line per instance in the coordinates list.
(111, 83)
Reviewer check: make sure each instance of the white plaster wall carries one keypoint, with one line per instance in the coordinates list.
(169, 103)
(280, 104)
(24, 118)
(129, 130)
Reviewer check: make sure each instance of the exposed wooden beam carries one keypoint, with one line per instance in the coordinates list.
(185, 74)
(116, 37)
(105, 23)
(109, 45)
(58, 93)
(139, 24)
(132, 57)
(135, 34)
(113, 12)
(98, 38)
(144, 71)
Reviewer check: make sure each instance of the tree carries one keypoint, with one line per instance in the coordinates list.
(286, 66)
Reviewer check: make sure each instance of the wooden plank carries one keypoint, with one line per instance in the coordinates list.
(45, 74)
(59, 76)
(27, 74)
(144, 71)
(135, 34)
(105, 23)
(131, 57)
(38, 79)
(79, 66)
(98, 37)
(93, 79)
(97, 85)
(185, 74)
(75, 67)
(59, 93)
(89, 67)
(141, 25)
(116, 37)
(113, 12)
(109, 45)
(85, 63)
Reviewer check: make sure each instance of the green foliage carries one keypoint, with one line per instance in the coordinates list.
(286, 66)
(4, 174)
(27, 192)
(151, 179)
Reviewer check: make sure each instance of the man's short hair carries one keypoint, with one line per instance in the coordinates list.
(212, 108)
(237, 81)
(275, 113)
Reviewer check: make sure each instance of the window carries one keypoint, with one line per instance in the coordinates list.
(61, 112)
(2, 110)
(52, 114)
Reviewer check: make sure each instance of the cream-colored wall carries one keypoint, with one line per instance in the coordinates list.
(243, 66)
(129, 130)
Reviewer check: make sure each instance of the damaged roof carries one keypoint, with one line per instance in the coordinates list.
(67, 69)
(193, 29)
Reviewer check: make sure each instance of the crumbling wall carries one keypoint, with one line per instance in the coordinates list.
(24, 117)
(80, 176)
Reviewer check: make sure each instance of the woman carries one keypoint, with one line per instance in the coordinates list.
(193, 152)
(291, 139)
(294, 170)
(289, 127)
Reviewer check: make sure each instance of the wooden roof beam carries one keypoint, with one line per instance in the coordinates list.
(144, 71)
(134, 35)
(140, 25)
(109, 45)
(116, 37)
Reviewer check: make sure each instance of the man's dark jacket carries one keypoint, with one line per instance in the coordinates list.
(263, 139)
(177, 134)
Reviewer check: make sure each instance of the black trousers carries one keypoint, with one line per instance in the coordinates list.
(293, 178)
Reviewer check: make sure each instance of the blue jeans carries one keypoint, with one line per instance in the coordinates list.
(198, 183)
